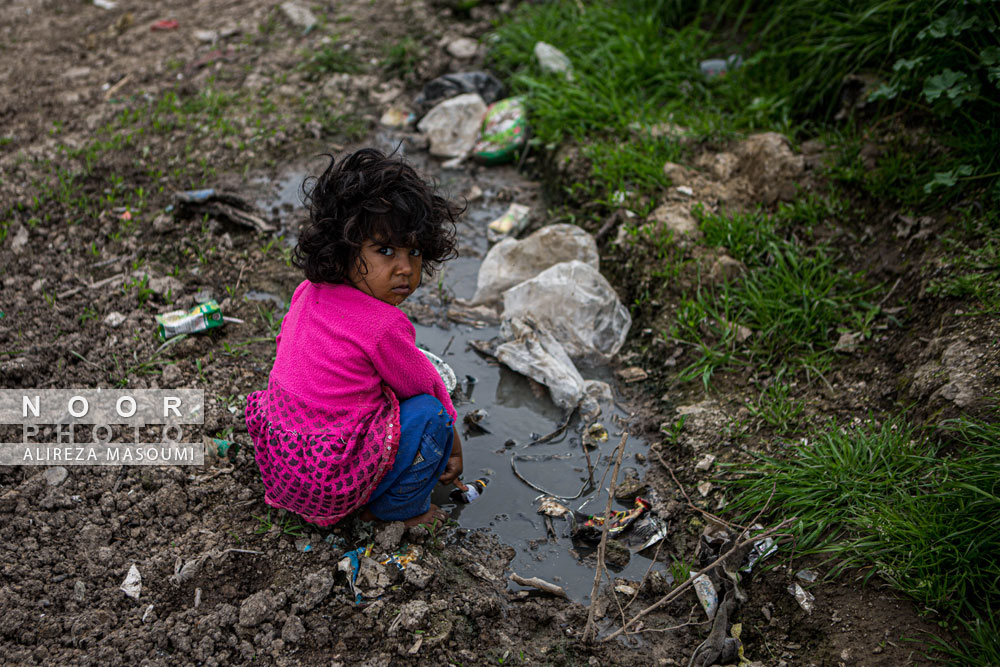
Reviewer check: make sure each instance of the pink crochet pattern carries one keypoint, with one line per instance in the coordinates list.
(326, 430)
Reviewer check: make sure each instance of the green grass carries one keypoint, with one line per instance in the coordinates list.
(785, 313)
(635, 63)
(971, 263)
(922, 511)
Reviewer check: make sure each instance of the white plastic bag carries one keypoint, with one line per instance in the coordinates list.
(511, 262)
(534, 352)
(573, 302)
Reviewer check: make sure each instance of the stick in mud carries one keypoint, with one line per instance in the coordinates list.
(589, 630)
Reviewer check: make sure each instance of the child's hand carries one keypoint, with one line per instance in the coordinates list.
(453, 468)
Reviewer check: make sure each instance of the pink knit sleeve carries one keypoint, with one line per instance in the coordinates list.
(405, 368)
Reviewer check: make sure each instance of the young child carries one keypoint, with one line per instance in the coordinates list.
(355, 417)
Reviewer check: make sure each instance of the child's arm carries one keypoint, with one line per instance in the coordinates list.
(453, 468)
(405, 368)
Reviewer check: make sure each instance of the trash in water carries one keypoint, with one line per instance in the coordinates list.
(350, 565)
(714, 67)
(200, 318)
(760, 550)
(453, 125)
(509, 224)
(646, 532)
(596, 433)
(165, 24)
(474, 422)
(470, 386)
(536, 353)
(552, 507)
(591, 526)
(503, 133)
(222, 205)
(474, 490)
(403, 557)
(808, 576)
(805, 599)
(705, 590)
(553, 60)
(444, 370)
(575, 304)
(444, 87)
(512, 261)
(132, 585)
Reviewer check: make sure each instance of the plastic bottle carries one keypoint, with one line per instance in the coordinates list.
(475, 489)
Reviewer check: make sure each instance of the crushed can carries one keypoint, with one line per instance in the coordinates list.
(202, 317)
(475, 489)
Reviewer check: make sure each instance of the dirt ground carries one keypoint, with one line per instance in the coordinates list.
(84, 185)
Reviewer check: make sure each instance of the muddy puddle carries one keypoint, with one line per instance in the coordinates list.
(517, 413)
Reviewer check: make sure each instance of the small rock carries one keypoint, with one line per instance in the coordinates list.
(417, 576)
(705, 463)
(616, 554)
(38, 284)
(298, 15)
(79, 590)
(293, 630)
(207, 36)
(677, 219)
(552, 59)
(132, 586)
(632, 374)
(389, 536)
(114, 320)
(414, 614)
(705, 488)
(56, 475)
(463, 48)
(630, 486)
(848, 342)
(315, 587)
(19, 240)
(258, 608)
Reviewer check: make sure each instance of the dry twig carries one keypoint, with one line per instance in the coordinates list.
(589, 631)
(675, 593)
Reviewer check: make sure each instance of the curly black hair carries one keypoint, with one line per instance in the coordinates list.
(371, 196)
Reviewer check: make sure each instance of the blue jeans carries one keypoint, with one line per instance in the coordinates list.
(424, 447)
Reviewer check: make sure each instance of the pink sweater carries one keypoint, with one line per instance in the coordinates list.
(327, 428)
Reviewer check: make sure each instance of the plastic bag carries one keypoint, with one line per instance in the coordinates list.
(511, 261)
(535, 353)
(575, 304)
(437, 90)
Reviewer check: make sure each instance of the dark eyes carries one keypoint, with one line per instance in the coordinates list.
(389, 251)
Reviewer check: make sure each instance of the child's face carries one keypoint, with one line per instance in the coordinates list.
(388, 273)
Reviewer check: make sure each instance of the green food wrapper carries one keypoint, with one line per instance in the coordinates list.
(200, 318)
(504, 131)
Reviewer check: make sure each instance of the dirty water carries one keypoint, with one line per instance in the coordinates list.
(516, 413)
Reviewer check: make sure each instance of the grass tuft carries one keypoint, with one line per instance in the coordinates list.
(922, 511)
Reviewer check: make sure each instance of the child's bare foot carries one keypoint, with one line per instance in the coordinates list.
(434, 514)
